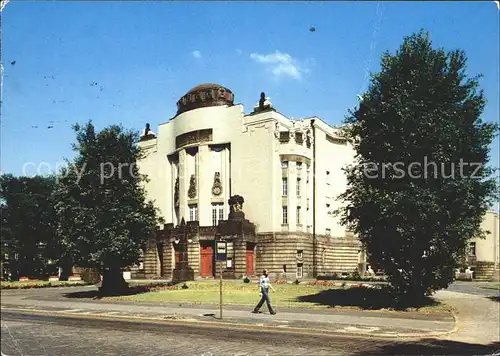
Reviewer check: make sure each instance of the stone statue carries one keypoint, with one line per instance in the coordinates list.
(176, 192)
(262, 100)
(147, 132)
(192, 187)
(236, 203)
(264, 104)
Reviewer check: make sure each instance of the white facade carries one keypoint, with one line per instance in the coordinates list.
(253, 158)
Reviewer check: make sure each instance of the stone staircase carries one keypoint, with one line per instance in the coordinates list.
(486, 271)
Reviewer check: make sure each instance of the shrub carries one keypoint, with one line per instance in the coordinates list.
(246, 280)
(185, 286)
(343, 284)
(297, 281)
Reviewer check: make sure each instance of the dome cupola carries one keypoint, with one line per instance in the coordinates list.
(205, 95)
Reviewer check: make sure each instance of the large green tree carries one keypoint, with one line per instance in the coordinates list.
(30, 246)
(421, 183)
(104, 218)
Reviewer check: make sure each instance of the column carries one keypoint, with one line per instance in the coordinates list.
(292, 196)
(205, 179)
(183, 186)
(226, 177)
(174, 175)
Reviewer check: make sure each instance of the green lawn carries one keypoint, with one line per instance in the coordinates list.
(286, 295)
(207, 292)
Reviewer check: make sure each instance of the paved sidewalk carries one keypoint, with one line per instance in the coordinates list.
(378, 324)
(478, 317)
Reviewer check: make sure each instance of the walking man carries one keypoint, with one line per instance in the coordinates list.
(264, 285)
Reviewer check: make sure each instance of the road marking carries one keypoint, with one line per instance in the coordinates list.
(356, 329)
(69, 310)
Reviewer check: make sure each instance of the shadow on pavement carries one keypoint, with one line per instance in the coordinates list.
(131, 290)
(495, 298)
(432, 347)
(365, 298)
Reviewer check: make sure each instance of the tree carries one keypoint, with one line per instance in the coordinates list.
(421, 183)
(104, 218)
(30, 246)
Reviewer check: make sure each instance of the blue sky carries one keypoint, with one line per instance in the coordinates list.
(144, 56)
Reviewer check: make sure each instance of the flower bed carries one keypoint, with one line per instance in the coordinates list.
(40, 284)
(323, 283)
(280, 281)
(161, 288)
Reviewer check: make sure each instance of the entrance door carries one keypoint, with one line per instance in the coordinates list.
(250, 261)
(206, 260)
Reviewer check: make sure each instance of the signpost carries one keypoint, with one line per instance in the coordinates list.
(221, 256)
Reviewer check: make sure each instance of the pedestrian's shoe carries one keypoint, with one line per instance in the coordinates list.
(273, 312)
(255, 311)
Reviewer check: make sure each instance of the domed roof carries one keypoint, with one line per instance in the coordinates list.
(205, 86)
(205, 95)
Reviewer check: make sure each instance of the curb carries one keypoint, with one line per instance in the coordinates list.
(241, 326)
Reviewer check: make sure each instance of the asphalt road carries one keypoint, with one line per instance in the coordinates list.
(43, 335)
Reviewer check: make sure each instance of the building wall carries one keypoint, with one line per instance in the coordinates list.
(251, 164)
(282, 254)
(487, 250)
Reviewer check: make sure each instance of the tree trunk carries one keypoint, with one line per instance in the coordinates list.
(113, 282)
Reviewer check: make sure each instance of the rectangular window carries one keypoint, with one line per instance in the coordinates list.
(221, 212)
(284, 187)
(284, 164)
(328, 232)
(298, 187)
(298, 215)
(299, 270)
(472, 249)
(327, 177)
(299, 253)
(285, 215)
(193, 212)
(299, 165)
(217, 213)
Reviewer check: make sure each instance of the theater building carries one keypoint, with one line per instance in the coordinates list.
(261, 181)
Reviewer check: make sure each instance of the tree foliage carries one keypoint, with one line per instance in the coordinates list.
(416, 219)
(30, 246)
(104, 218)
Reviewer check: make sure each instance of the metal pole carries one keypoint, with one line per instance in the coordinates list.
(220, 268)
(315, 271)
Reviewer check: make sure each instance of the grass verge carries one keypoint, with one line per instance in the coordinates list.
(286, 296)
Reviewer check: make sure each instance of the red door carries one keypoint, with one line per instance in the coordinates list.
(206, 261)
(249, 267)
